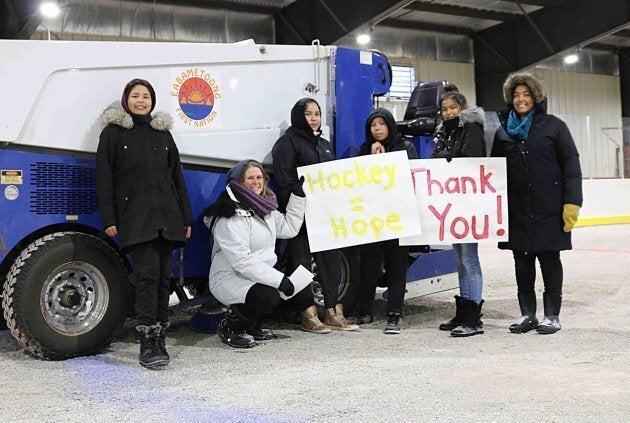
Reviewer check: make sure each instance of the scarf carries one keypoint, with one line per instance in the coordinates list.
(518, 128)
(248, 199)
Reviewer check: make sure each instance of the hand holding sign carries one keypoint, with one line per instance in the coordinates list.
(359, 200)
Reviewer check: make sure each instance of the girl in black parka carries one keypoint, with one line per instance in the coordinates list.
(303, 145)
(143, 200)
(461, 135)
(381, 135)
(544, 195)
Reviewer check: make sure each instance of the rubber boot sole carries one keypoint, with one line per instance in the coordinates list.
(524, 328)
(465, 334)
(155, 364)
(546, 330)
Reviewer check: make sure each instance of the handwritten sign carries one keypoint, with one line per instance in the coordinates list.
(461, 201)
(359, 200)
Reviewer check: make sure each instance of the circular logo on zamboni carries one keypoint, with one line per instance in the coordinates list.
(197, 92)
(196, 98)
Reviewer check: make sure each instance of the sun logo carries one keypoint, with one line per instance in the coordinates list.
(196, 91)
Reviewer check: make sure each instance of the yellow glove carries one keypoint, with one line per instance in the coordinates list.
(570, 213)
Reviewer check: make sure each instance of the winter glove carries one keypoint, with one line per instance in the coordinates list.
(570, 213)
(286, 286)
(298, 189)
(444, 154)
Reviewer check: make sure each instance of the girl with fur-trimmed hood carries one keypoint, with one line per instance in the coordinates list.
(143, 200)
(461, 135)
(544, 195)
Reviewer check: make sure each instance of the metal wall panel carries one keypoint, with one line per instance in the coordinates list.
(117, 20)
(591, 106)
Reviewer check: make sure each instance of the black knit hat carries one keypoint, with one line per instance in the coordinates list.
(128, 89)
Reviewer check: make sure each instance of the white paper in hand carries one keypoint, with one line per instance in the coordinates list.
(300, 279)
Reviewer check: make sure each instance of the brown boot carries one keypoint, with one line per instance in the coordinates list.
(334, 319)
(311, 323)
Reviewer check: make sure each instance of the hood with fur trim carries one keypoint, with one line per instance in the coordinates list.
(535, 85)
(473, 114)
(161, 121)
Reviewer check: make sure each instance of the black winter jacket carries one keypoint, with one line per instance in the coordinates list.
(465, 139)
(394, 141)
(543, 174)
(297, 147)
(139, 182)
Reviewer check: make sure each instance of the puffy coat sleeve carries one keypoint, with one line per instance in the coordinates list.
(232, 235)
(284, 169)
(178, 179)
(569, 159)
(105, 193)
(288, 224)
(365, 149)
(473, 142)
(497, 146)
(412, 153)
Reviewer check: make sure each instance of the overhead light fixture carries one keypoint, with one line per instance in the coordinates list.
(363, 38)
(49, 9)
(571, 59)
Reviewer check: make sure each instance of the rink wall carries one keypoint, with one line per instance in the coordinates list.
(606, 202)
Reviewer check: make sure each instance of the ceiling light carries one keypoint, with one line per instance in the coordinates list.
(571, 59)
(49, 9)
(363, 38)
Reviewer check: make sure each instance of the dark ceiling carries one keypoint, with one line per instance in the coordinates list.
(507, 34)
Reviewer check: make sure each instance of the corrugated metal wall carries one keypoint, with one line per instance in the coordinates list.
(590, 104)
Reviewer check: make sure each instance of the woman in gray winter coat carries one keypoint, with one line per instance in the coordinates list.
(544, 195)
(461, 135)
(142, 199)
(245, 225)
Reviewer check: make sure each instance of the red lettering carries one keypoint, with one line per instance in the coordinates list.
(454, 232)
(441, 218)
(452, 185)
(471, 181)
(431, 182)
(484, 178)
(485, 232)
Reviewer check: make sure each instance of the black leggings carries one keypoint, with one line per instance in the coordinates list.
(328, 265)
(262, 299)
(550, 267)
(395, 258)
(151, 262)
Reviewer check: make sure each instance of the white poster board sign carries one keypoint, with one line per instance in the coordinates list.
(461, 201)
(359, 200)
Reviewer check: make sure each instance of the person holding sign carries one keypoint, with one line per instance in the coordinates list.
(303, 145)
(382, 136)
(461, 135)
(245, 224)
(544, 195)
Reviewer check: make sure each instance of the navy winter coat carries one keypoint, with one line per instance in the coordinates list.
(139, 182)
(543, 174)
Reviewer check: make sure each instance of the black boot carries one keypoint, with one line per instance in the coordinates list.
(259, 333)
(528, 320)
(151, 356)
(162, 340)
(471, 323)
(457, 320)
(233, 330)
(551, 322)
